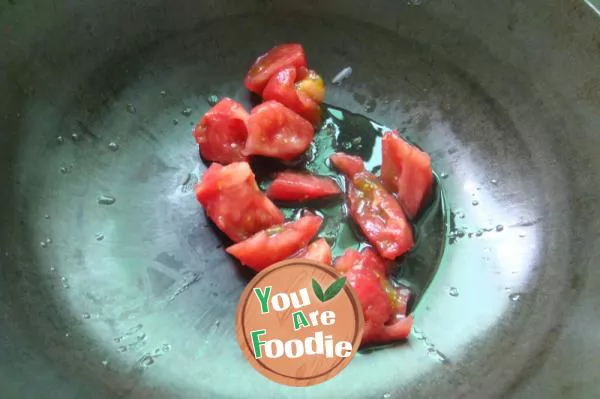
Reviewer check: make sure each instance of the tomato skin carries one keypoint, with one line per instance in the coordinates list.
(232, 199)
(347, 164)
(406, 172)
(221, 133)
(382, 308)
(318, 250)
(276, 243)
(294, 186)
(278, 132)
(265, 66)
(298, 97)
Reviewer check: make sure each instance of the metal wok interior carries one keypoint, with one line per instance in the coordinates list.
(137, 300)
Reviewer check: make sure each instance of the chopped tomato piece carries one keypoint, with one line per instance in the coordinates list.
(232, 199)
(347, 164)
(276, 131)
(302, 97)
(276, 243)
(384, 315)
(221, 133)
(267, 65)
(376, 211)
(406, 172)
(318, 250)
(294, 186)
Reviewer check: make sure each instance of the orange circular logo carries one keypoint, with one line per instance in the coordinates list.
(299, 323)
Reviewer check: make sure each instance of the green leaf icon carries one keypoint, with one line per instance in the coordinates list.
(334, 289)
(317, 290)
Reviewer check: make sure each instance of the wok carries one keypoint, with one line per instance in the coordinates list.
(136, 299)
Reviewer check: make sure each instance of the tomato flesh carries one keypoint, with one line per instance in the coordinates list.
(276, 243)
(347, 164)
(378, 214)
(268, 64)
(302, 97)
(406, 172)
(294, 186)
(318, 250)
(383, 311)
(233, 201)
(221, 133)
(278, 132)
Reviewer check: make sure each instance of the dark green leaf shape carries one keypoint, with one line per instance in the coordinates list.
(334, 289)
(317, 290)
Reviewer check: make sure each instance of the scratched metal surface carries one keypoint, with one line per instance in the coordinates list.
(136, 299)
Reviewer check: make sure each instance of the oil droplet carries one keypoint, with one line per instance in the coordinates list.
(86, 316)
(387, 396)
(166, 348)
(106, 200)
(346, 145)
(212, 100)
(99, 236)
(522, 235)
(60, 139)
(443, 175)
(453, 291)
(418, 333)
(478, 233)
(46, 216)
(63, 278)
(63, 170)
(66, 286)
(218, 323)
(146, 360)
(67, 334)
(163, 93)
(176, 121)
(75, 137)
(105, 363)
(186, 111)
(43, 244)
(499, 227)
(48, 241)
(52, 268)
(475, 202)
(494, 181)
(113, 146)
(131, 108)
(460, 233)
(514, 297)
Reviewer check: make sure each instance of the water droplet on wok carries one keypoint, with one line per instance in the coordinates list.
(499, 227)
(75, 137)
(131, 108)
(443, 175)
(212, 100)
(514, 297)
(106, 200)
(99, 236)
(475, 202)
(453, 291)
(113, 146)
(186, 111)
(43, 244)
(60, 140)
(86, 316)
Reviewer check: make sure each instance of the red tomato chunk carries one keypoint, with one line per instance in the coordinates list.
(347, 164)
(276, 131)
(267, 65)
(232, 199)
(276, 243)
(383, 305)
(303, 97)
(318, 250)
(406, 172)
(376, 211)
(294, 186)
(221, 133)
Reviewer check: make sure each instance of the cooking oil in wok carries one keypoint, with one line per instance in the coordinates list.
(343, 131)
